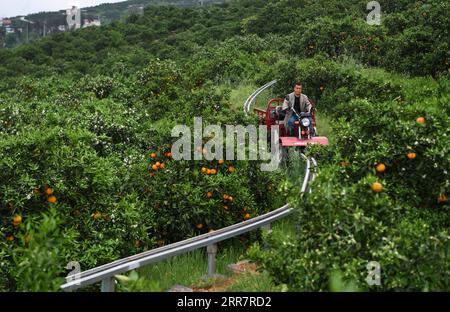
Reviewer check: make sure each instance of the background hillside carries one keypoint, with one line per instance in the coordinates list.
(48, 23)
(86, 117)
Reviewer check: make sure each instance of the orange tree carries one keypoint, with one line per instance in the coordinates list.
(355, 214)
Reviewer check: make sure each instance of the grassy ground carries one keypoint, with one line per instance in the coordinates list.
(190, 269)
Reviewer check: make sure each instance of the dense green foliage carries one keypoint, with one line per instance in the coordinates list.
(81, 114)
(343, 223)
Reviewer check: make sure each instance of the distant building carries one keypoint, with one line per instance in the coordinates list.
(6, 22)
(9, 30)
(89, 22)
(62, 27)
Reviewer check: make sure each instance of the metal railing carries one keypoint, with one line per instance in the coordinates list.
(254, 95)
(106, 273)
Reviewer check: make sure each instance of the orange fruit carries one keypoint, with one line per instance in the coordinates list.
(137, 243)
(220, 161)
(225, 207)
(204, 169)
(52, 199)
(230, 198)
(225, 196)
(199, 226)
(158, 164)
(169, 154)
(17, 219)
(442, 199)
(151, 174)
(381, 168)
(321, 88)
(153, 155)
(162, 166)
(213, 171)
(344, 163)
(97, 215)
(10, 238)
(208, 171)
(420, 120)
(411, 155)
(49, 191)
(209, 194)
(231, 169)
(247, 216)
(155, 167)
(377, 187)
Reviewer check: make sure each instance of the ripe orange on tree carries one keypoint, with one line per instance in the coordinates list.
(420, 120)
(209, 194)
(97, 215)
(213, 171)
(225, 196)
(411, 155)
(153, 155)
(208, 171)
(49, 191)
(231, 169)
(17, 219)
(225, 207)
(380, 168)
(10, 238)
(247, 216)
(52, 199)
(155, 167)
(162, 166)
(220, 161)
(377, 187)
(442, 199)
(199, 226)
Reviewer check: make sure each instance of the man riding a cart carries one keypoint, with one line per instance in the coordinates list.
(295, 104)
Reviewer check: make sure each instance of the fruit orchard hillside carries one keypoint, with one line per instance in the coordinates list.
(85, 137)
(413, 37)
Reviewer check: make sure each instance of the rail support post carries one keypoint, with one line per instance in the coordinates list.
(267, 227)
(212, 251)
(108, 284)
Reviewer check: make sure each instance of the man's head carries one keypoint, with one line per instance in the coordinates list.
(298, 88)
